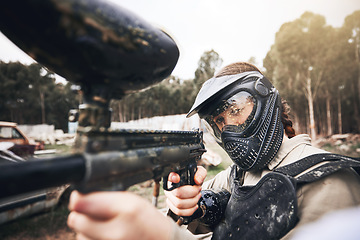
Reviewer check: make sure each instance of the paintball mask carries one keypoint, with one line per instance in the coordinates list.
(242, 112)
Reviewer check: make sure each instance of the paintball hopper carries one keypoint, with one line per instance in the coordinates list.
(92, 43)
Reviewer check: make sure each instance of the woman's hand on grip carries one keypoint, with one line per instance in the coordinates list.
(183, 200)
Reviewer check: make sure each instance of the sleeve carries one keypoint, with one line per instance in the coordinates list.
(221, 180)
(337, 191)
(341, 224)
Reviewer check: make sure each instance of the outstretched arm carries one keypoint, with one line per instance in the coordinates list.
(116, 215)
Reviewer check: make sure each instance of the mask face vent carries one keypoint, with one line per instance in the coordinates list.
(237, 149)
(256, 151)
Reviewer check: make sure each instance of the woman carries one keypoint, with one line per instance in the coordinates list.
(245, 114)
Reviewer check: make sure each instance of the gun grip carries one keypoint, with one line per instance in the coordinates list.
(186, 177)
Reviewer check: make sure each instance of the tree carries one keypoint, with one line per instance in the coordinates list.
(171, 96)
(351, 44)
(40, 81)
(297, 61)
(30, 95)
(207, 65)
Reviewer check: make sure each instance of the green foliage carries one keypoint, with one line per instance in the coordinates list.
(171, 96)
(30, 96)
(309, 55)
(304, 49)
(208, 63)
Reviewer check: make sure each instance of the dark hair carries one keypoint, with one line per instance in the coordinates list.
(285, 119)
(240, 67)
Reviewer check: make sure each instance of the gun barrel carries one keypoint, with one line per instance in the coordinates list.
(119, 160)
(118, 170)
(110, 170)
(16, 178)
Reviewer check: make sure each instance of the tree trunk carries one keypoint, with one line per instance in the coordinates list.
(296, 125)
(139, 113)
(42, 104)
(339, 113)
(132, 113)
(307, 125)
(328, 114)
(357, 58)
(311, 108)
(124, 113)
(356, 105)
(120, 114)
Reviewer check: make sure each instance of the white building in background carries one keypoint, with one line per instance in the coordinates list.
(172, 122)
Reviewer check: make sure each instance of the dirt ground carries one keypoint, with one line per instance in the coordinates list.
(52, 225)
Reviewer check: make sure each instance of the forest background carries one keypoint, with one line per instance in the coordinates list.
(315, 67)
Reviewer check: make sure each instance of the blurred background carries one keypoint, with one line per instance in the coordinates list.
(310, 50)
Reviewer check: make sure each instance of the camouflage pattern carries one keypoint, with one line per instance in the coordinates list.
(108, 160)
(119, 159)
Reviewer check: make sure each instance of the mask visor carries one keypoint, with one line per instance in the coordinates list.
(236, 113)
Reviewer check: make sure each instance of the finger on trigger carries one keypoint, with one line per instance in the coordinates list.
(200, 175)
(174, 177)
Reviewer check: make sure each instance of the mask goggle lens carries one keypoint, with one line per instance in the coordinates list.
(237, 111)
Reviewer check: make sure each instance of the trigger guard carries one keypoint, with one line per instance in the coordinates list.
(173, 185)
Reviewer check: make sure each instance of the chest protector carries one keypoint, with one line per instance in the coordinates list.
(268, 210)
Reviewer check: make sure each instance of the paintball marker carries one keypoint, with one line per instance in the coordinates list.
(109, 52)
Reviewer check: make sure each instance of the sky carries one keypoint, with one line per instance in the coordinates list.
(236, 29)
